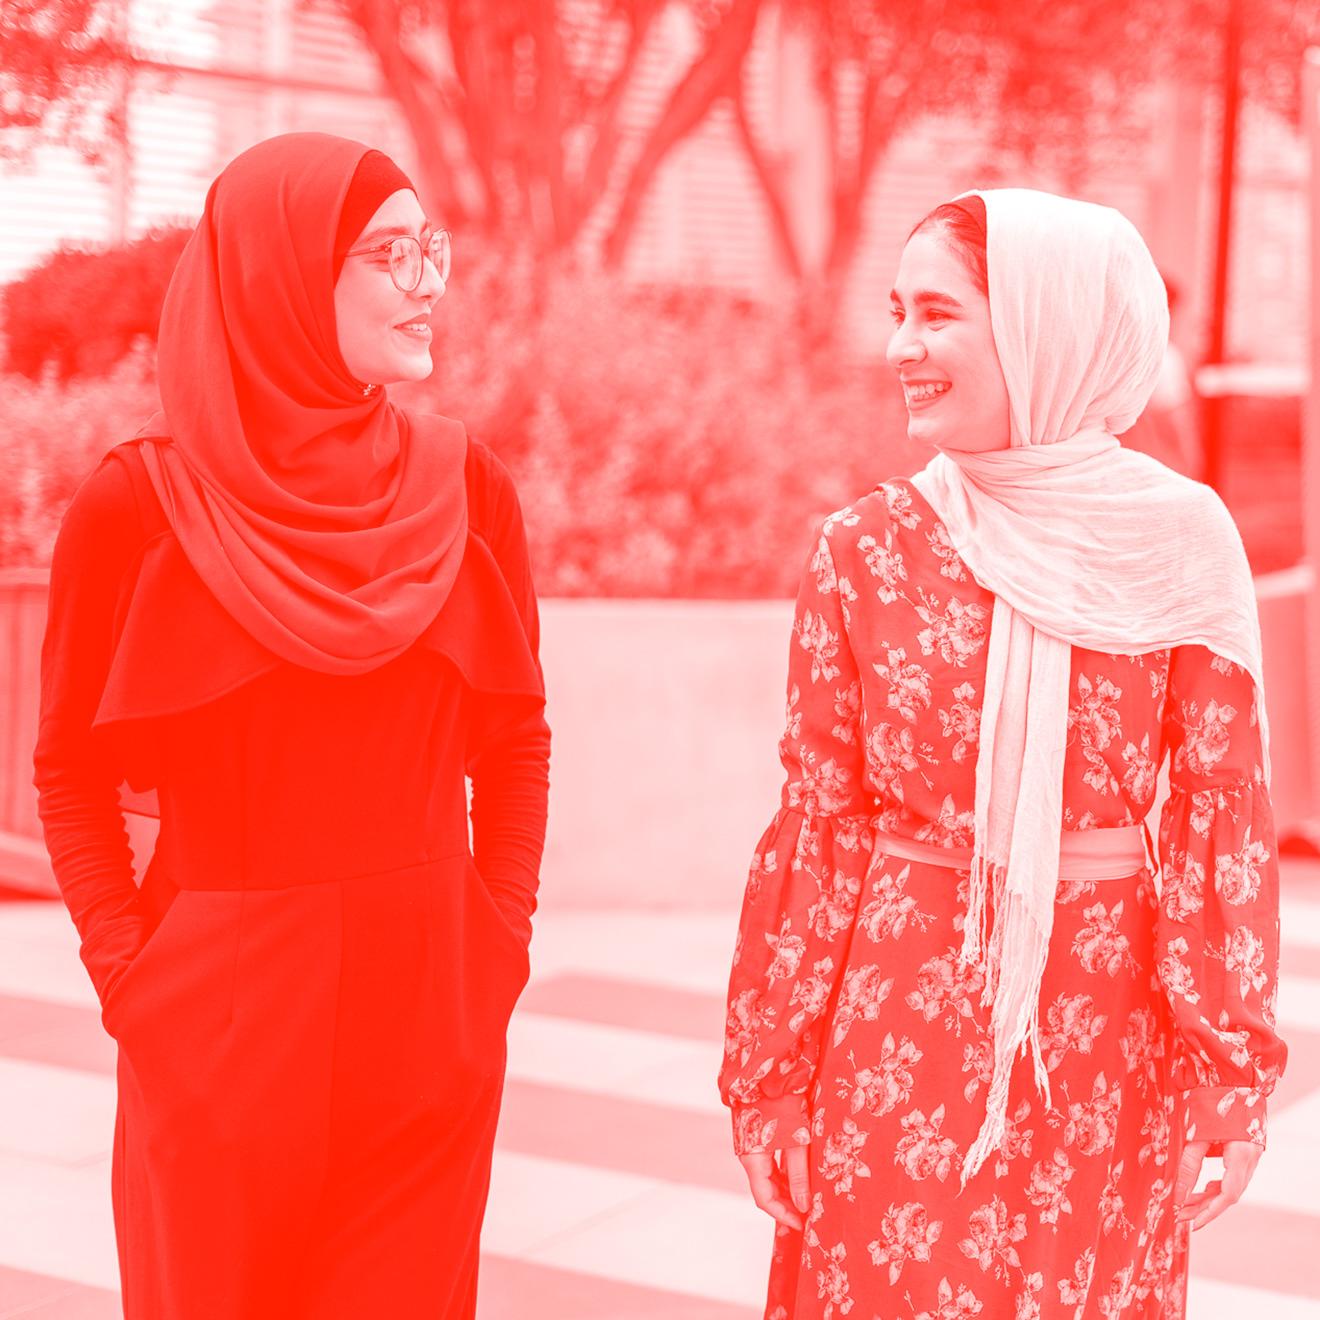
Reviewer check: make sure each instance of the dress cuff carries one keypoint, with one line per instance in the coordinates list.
(1225, 1113)
(770, 1125)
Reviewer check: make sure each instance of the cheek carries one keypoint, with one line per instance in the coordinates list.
(363, 311)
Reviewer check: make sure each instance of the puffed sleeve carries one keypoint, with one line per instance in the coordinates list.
(509, 760)
(76, 776)
(806, 875)
(1218, 929)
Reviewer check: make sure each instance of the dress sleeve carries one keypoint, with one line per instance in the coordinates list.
(1218, 928)
(806, 875)
(509, 764)
(76, 776)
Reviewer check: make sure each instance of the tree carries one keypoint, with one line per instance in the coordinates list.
(1057, 81)
(58, 58)
(515, 106)
(519, 109)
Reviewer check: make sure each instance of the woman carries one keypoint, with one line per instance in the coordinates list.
(990, 662)
(302, 615)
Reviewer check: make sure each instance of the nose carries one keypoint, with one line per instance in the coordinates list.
(430, 285)
(904, 347)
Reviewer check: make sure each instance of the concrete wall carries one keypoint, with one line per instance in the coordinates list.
(666, 716)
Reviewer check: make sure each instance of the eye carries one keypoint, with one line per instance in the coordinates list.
(936, 315)
(896, 315)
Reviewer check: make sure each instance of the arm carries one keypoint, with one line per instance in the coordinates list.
(510, 762)
(805, 878)
(75, 775)
(1218, 930)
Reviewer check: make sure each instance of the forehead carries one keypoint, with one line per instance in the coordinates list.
(930, 263)
(400, 210)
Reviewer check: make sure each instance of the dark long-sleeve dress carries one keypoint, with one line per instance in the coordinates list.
(855, 1029)
(312, 988)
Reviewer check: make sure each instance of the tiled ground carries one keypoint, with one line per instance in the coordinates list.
(615, 1196)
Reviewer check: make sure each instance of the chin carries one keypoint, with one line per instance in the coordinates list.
(418, 368)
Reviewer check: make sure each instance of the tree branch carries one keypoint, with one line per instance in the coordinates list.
(712, 75)
(773, 194)
(605, 118)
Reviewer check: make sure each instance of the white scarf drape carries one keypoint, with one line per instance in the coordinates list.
(1083, 543)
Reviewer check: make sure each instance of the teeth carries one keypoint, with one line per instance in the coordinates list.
(928, 391)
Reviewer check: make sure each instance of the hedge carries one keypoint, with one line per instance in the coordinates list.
(664, 443)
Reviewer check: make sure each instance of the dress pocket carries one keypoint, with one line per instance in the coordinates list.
(486, 900)
(508, 955)
(126, 987)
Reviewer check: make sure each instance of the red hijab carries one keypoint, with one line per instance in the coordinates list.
(330, 525)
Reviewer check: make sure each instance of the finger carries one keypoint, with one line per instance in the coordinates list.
(1240, 1160)
(797, 1164)
(1189, 1169)
(1212, 1210)
(1193, 1205)
(769, 1198)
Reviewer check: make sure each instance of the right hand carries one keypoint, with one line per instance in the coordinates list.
(779, 1186)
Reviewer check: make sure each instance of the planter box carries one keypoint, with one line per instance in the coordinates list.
(666, 717)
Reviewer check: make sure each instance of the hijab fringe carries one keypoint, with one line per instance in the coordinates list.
(1013, 985)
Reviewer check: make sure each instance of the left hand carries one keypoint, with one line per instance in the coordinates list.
(1240, 1160)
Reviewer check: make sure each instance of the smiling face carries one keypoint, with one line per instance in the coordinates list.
(383, 335)
(944, 351)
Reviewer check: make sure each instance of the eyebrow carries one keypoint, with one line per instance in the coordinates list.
(393, 231)
(924, 297)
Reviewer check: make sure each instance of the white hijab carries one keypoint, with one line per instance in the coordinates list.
(1083, 543)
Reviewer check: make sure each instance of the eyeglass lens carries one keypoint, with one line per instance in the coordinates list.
(406, 259)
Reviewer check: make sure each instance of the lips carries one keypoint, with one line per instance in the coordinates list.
(922, 394)
(416, 329)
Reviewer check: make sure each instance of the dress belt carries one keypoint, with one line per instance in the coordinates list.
(1105, 854)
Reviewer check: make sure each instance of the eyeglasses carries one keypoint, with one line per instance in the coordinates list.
(405, 258)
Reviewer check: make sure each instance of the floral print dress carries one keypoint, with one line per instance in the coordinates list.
(855, 1029)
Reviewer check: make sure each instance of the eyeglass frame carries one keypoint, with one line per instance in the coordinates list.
(424, 253)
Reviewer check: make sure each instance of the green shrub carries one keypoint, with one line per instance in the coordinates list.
(664, 444)
(82, 310)
(55, 434)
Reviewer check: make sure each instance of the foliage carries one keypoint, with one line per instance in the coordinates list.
(80, 311)
(524, 116)
(664, 444)
(55, 434)
(58, 60)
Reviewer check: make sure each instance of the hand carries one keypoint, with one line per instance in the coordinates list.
(1240, 1160)
(780, 1187)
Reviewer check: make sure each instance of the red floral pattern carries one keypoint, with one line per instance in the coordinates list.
(855, 1029)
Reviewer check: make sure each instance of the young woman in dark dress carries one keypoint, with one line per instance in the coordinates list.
(303, 617)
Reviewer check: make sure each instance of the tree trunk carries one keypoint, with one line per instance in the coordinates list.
(713, 74)
(771, 192)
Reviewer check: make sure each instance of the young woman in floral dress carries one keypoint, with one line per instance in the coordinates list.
(976, 1054)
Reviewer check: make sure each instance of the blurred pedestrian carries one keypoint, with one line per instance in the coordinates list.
(990, 661)
(1169, 428)
(300, 614)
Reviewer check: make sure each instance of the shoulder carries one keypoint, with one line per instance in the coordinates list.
(881, 515)
(492, 498)
(493, 509)
(104, 517)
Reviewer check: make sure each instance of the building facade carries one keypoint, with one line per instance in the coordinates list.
(232, 74)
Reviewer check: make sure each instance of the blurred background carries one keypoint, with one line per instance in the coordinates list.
(675, 227)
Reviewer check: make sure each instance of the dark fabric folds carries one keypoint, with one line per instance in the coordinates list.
(175, 647)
